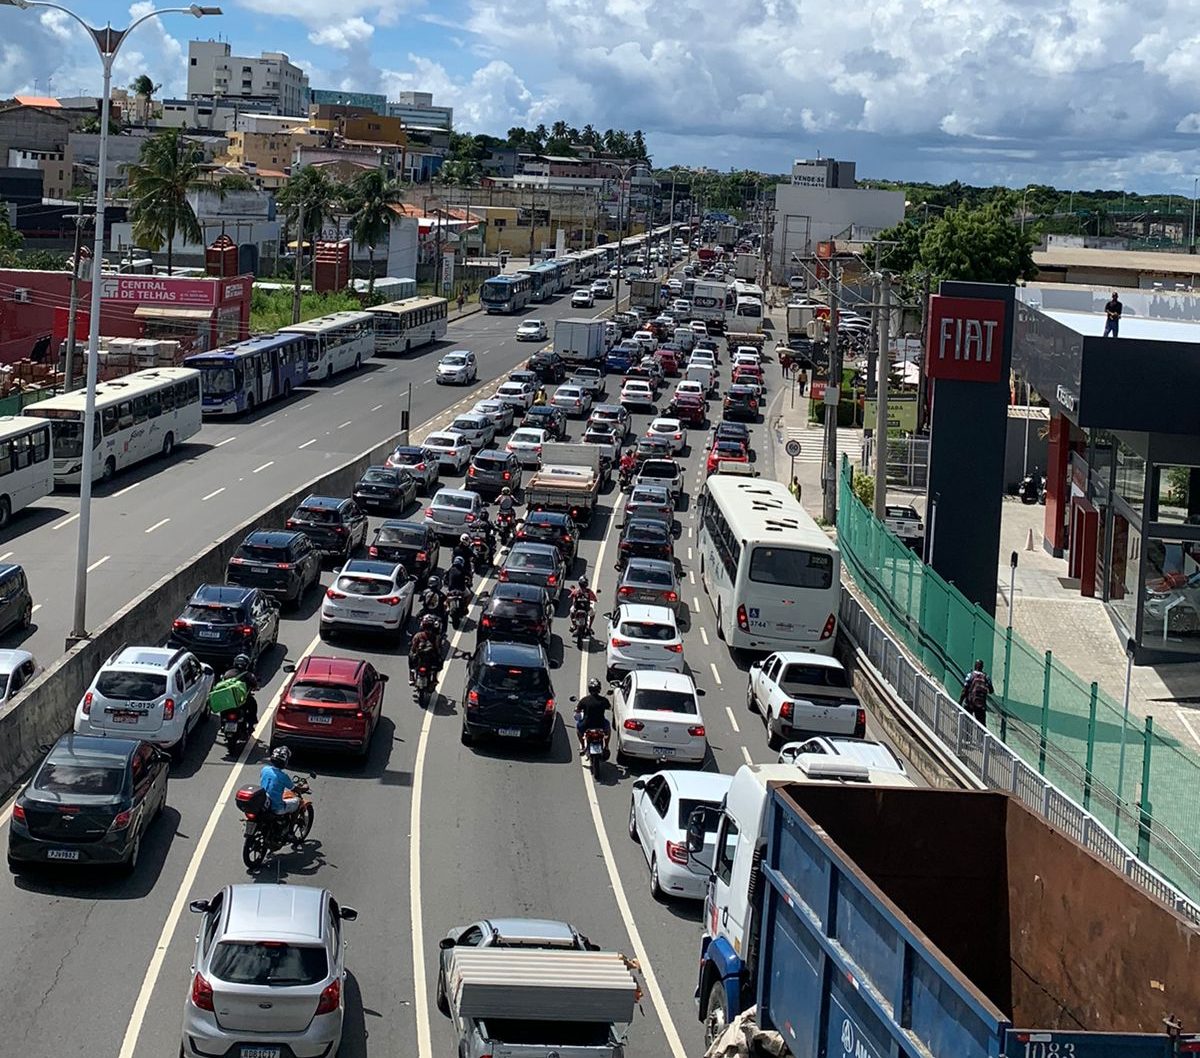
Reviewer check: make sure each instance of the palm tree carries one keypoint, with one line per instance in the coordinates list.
(313, 193)
(169, 167)
(144, 87)
(458, 172)
(369, 200)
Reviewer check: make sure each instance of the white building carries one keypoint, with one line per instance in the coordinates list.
(806, 216)
(212, 115)
(416, 108)
(271, 80)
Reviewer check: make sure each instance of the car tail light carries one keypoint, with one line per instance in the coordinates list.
(679, 437)
(696, 731)
(860, 723)
(552, 579)
(373, 551)
(743, 620)
(284, 565)
(245, 630)
(549, 705)
(485, 622)
(677, 851)
(470, 472)
(625, 591)
(618, 643)
(504, 573)
(290, 524)
(472, 699)
(331, 594)
(753, 404)
(428, 512)
(537, 449)
(468, 517)
(339, 529)
(419, 466)
(121, 820)
(422, 556)
(392, 600)
(18, 813)
(625, 545)
(202, 993)
(675, 648)
(331, 996)
(177, 623)
(633, 725)
(670, 596)
(786, 709)
(169, 709)
(87, 703)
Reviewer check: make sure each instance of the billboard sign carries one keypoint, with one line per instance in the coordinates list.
(965, 339)
(809, 175)
(159, 290)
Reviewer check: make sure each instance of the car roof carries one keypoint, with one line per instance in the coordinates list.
(441, 435)
(533, 547)
(271, 537)
(341, 671)
(326, 502)
(156, 658)
(638, 562)
(642, 521)
(222, 594)
(530, 930)
(411, 450)
(370, 566)
(472, 496)
(633, 611)
(93, 746)
(527, 655)
(457, 352)
(10, 659)
(651, 680)
(268, 912)
(547, 518)
(698, 785)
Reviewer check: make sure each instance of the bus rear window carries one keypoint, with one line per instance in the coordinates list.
(791, 568)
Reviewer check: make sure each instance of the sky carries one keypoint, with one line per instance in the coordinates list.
(1080, 95)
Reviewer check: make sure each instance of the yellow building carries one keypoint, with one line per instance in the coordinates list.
(267, 150)
(361, 127)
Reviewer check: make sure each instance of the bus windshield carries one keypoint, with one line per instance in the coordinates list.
(68, 437)
(221, 380)
(494, 292)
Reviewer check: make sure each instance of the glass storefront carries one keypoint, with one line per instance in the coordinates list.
(1171, 606)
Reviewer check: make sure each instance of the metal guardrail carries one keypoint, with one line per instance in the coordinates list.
(997, 766)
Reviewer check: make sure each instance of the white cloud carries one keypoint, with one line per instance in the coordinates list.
(343, 36)
(318, 13)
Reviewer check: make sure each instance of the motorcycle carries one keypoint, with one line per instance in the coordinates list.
(506, 526)
(581, 622)
(457, 607)
(626, 478)
(1032, 488)
(233, 702)
(265, 831)
(481, 552)
(593, 741)
(424, 680)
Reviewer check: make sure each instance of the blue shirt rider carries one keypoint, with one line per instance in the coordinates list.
(275, 781)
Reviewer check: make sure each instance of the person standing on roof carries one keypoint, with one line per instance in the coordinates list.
(1112, 315)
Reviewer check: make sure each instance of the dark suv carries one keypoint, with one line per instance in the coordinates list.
(413, 544)
(508, 693)
(385, 488)
(548, 366)
(492, 470)
(551, 527)
(222, 621)
(333, 526)
(740, 403)
(515, 613)
(544, 417)
(283, 564)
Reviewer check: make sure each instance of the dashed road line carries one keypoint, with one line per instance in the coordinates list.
(310, 441)
(215, 492)
(1187, 723)
(269, 463)
(225, 442)
(98, 563)
(6, 556)
(157, 525)
(127, 488)
(746, 755)
(377, 407)
(716, 675)
(732, 720)
(342, 426)
(65, 522)
(704, 635)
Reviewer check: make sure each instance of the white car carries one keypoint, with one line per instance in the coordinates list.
(699, 329)
(532, 331)
(574, 400)
(602, 288)
(637, 392)
(449, 449)
(656, 716)
(660, 807)
(646, 340)
(517, 394)
(681, 308)
(17, 669)
(688, 388)
(500, 413)
(582, 299)
(526, 444)
(458, 367)
(864, 751)
(670, 430)
(368, 595)
(611, 413)
(801, 694)
(642, 637)
(478, 429)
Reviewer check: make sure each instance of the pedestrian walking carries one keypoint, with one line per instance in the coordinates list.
(794, 488)
(462, 299)
(975, 690)
(1112, 315)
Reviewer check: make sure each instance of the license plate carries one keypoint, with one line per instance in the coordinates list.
(596, 748)
(360, 613)
(62, 854)
(231, 726)
(202, 634)
(509, 732)
(260, 1052)
(320, 719)
(125, 718)
(663, 751)
(260, 570)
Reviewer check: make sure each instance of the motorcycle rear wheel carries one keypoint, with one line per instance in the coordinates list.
(301, 824)
(254, 849)
(597, 762)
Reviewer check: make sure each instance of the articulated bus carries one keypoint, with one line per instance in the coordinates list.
(401, 326)
(507, 293)
(26, 463)
(771, 574)
(336, 342)
(238, 378)
(138, 416)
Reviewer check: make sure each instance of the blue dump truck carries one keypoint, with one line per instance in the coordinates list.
(874, 921)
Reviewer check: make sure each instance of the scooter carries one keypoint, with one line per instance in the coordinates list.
(481, 552)
(423, 683)
(1032, 488)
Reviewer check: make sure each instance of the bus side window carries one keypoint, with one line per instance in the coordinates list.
(22, 452)
(193, 390)
(41, 445)
(141, 409)
(124, 415)
(5, 458)
(167, 396)
(154, 404)
(108, 420)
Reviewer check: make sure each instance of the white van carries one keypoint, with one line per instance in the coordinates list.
(684, 338)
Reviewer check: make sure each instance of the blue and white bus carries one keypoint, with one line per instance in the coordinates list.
(541, 280)
(336, 342)
(240, 377)
(507, 293)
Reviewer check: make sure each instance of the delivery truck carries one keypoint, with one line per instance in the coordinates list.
(645, 293)
(569, 479)
(866, 920)
(579, 340)
(745, 266)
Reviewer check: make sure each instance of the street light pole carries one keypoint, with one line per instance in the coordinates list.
(108, 42)
(1192, 240)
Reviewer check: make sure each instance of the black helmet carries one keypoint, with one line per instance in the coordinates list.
(459, 562)
(434, 583)
(242, 662)
(593, 686)
(583, 582)
(281, 756)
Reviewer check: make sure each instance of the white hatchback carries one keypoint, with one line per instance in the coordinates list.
(642, 637)
(689, 388)
(656, 716)
(458, 366)
(660, 809)
(670, 430)
(368, 595)
(517, 394)
(638, 393)
(574, 400)
(526, 444)
(478, 429)
(449, 449)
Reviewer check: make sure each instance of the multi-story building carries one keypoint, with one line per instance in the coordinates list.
(204, 113)
(268, 150)
(272, 81)
(417, 109)
(371, 101)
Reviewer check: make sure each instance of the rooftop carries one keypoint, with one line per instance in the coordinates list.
(1131, 326)
(45, 102)
(1133, 260)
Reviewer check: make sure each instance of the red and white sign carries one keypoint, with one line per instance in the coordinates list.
(159, 290)
(965, 339)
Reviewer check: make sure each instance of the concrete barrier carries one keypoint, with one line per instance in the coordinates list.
(47, 709)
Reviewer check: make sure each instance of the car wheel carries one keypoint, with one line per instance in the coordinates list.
(751, 702)
(442, 1004)
(5, 511)
(717, 1017)
(168, 445)
(774, 741)
(656, 889)
(110, 468)
(633, 822)
(179, 751)
(465, 736)
(27, 616)
(131, 861)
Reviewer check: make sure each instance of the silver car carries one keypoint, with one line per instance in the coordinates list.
(478, 429)
(500, 413)
(368, 595)
(17, 669)
(268, 973)
(574, 400)
(452, 512)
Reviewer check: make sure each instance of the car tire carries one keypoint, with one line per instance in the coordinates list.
(443, 1004)
(774, 741)
(325, 631)
(716, 1016)
(129, 864)
(751, 701)
(5, 511)
(633, 822)
(465, 736)
(179, 750)
(15, 867)
(168, 445)
(656, 889)
(110, 469)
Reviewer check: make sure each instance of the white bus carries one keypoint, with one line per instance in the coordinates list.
(769, 571)
(26, 463)
(138, 416)
(336, 342)
(402, 325)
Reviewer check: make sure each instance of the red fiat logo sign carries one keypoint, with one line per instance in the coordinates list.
(965, 339)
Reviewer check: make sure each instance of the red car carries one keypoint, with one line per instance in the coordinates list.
(689, 408)
(330, 702)
(669, 358)
(747, 372)
(725, 452)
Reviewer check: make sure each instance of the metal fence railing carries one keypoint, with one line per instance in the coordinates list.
(1072, 735)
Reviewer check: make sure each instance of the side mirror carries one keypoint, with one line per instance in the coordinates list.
(348, 914)
(289, 666)
(200, 907)
(207, 670)
(700, 692)
(639, 784)
(384, 677)
(696, 829)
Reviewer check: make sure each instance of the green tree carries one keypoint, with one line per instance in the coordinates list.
(900, 247)
(312, 192)
(170, 165)
(458, 172)
(234, 182)
(91, 125)
(981, 245)
(10, 238)
(369, 200)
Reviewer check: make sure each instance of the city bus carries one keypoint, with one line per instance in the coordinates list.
(541, 279)
(138, 416)
(400, 326)
(336, 342)
(26, 463)
(747, 315)
(771, 574)
(240, 377)
(508, 293)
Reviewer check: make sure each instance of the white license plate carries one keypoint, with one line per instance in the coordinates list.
(312, 719)
(125, 718)
(203, 634)
(360, 613)
(260, 1052)
(231, 725)
(62, 854)
(663, 751)
(260, 569)
(510, 732)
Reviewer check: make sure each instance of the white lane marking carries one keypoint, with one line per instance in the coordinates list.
(391, 369)
(215, 492)
(127, 488)
(157, 525)
(696, 606)
(716, 675)
(746, 755)
(226, 441)
(690, 556)
(98, 563)
(689, 532)
(691, 576)
(184, 893)
(7, 555)
(704, 635)
(310, 441)
(65, 522)
(1186, 723)
(377, 407)
(732, 720)
(342, 426)
(269, 463)
(36, 608)
(426, 382)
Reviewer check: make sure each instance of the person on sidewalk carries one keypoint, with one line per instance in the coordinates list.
(794, 488)
(975, 690)
(462, 298)
(1112, 316)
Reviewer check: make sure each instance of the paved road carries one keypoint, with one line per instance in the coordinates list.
(426, 834)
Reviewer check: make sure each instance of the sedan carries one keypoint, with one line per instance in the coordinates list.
(329, 703)
(500, 413)
(723, 453)
(656, 715)
(526, 444)
(651, 581)
(385, 488)
(551, 527)
(518, 394)
(538, 564)
(90, 801)
(532, 331)
(582, 299)
(368, 595)
(451, 450)
(612, 413)
(574, 400)
(458, 366)
(637, 392)
(515, 613)
(222, 621)
(642, 637)
(17, 669)
(478, 429)
(645, 538)
(420, 463)
(670, 430)
(659, 812)
(651, 501)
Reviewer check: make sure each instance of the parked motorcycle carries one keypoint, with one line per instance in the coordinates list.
(1032, 488)
(264, 831)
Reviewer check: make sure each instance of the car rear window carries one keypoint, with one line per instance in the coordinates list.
(529, 560)
(901, 512)
(654, 468)
(268, 962)
(650, 575)
(467, 424)
(462, 503)
(527, 437)
(408, 458)
(131, 686)
(442, 440)
(391, 534)
(493, 462)
(661, 701)
(213, 614)
(320, 692)
(510, 678)
(791, 567)
(379, 476)
(363, 585)
(648, 630)
(729, 448)
(815, 675)
(259, 553)
(73, 777)
(318, 515)
(654, 531)
(510, 606)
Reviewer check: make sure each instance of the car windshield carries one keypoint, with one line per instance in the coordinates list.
(268, 962)
(213, 614)
(687, 806)
(318, 515)
(408, 458)
(262, 553)
(662, 701)
(649, 576)
(379, 476)
(363, 585)
(320, 692)
(69, 777)
(648, 630)
(454, 360)
(508, 678)
(394, 534)
(814, 675)
(532, 560)
(131, 686)
(791, 567)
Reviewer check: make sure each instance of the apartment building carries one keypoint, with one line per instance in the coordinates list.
(271, 80)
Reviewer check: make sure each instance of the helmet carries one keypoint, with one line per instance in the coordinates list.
(506, 491)
(281, 756)
(434, 583)
(429, 622)
(465, 538)
(593, 686)
(242, 662)
(583, 583)
(459, 562)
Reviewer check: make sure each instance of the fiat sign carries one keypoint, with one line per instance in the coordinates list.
(965, 339)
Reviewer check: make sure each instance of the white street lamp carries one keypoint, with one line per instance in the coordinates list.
(626, 172)
(108, 42)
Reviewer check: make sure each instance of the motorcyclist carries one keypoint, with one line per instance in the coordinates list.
(425, 648)
(458, 576)
(243, 669)
(433, 604)
(275, 782)
(628, 463)
(462, 549)
(506, 504)
(539, 398)
(591, 712)
(582, 597)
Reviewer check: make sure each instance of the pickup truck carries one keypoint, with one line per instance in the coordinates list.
(590, 379)
(569, 480)
(798, 694)
(866, 917)
(905, 522)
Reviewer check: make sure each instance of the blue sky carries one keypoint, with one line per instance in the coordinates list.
(1080, 94)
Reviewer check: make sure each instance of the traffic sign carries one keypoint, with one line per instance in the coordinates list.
(792, 448)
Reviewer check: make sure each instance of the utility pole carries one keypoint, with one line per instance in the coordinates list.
(832, 394)
(437, 263)
(922, 383)
(532, 219)
(881, 397)
(78, 217)
(873, 344)
(299, 257)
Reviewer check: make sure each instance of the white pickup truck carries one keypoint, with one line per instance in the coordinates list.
(800, 694)
(905, 522)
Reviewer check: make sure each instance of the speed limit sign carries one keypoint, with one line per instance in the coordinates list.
(792, 448)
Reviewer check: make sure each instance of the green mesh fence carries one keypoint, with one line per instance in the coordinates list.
(1065, 727)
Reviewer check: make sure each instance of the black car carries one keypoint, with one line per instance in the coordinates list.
(645, 538)
(734, 431)
(544, 417)
(652, 448)
(222, 621)
(508, 693)
(740, 403)
(283, 564)
(515, 613)
(551, 527)
(492, 470)
(90, 801)
(385, 488)
(412, 544)
(333, 526)
(548, 366)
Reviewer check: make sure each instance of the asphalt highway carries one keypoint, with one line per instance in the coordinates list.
(424, 835)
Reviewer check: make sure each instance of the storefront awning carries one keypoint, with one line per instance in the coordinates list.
(170, 312)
